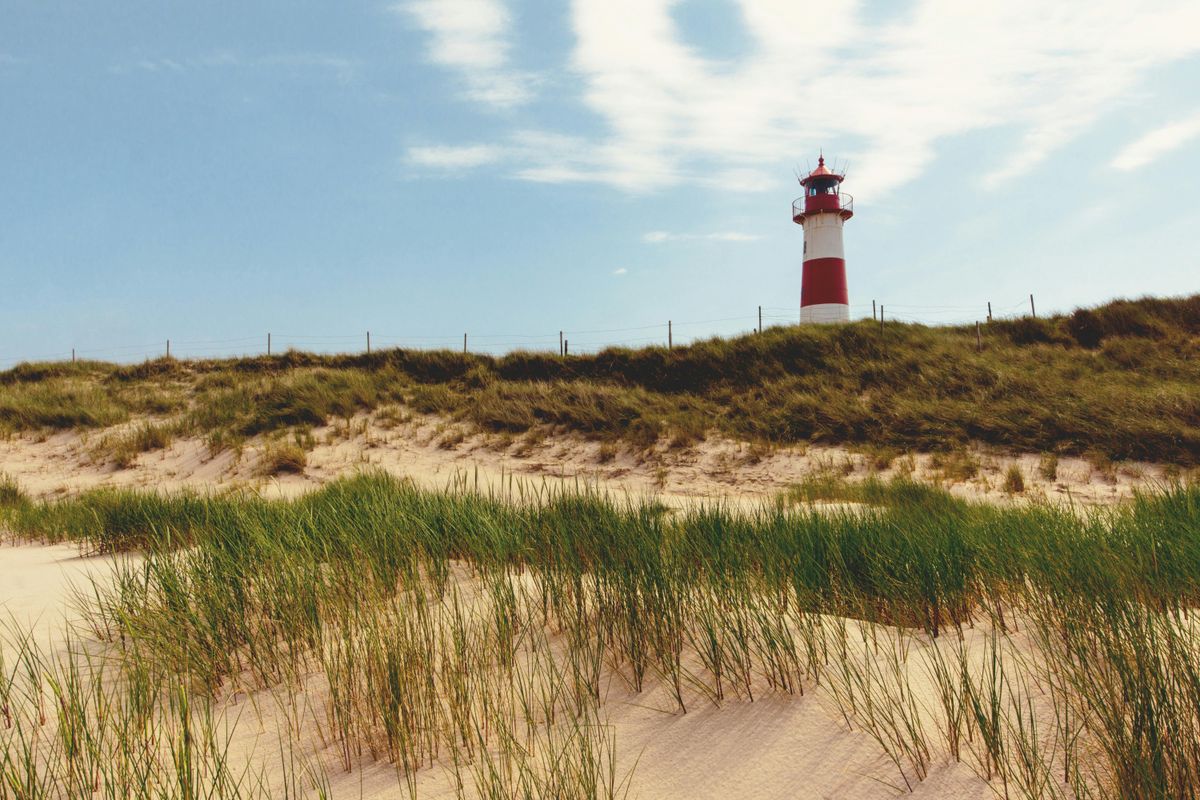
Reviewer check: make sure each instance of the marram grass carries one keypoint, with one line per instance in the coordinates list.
(482, 633)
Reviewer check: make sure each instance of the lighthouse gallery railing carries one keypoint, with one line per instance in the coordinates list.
(845, 203)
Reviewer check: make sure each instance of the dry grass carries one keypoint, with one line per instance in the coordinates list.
(607, 453)
(124, 448)
(282, 458)
(1048, 467)
(956, 466)
(1014, 480)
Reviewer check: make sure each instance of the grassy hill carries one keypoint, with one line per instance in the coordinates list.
(1120, 381)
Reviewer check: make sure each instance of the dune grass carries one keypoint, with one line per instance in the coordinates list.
(477, 631)
(1121, 381)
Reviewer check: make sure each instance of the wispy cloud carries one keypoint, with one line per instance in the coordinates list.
(473, 37)
(344, 68)
(452, 157)
(884, 93)
(659, 237)
(1157, 143)
(620, 271)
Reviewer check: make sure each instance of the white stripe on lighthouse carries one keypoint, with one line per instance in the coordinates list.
(825, 312)
(823, 237)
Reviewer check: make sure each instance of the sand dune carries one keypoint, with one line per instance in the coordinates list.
(437, 454)
(776, 746)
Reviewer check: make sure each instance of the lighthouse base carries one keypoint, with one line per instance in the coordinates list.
(825, 313)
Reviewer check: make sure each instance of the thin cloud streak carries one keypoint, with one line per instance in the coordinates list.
(344, 68)
(1156, 144)
(450, 157)
(660, 237)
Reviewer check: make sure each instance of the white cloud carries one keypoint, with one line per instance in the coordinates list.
(1157, 143)
(882, 94)
(473, 37)
(658, 237)
(451, 157)
(620, 271)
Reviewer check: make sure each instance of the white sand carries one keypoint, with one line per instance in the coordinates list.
(715, 468)
(39, 585)
(778, 746)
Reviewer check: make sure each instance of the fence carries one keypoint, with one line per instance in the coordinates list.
(574, 342)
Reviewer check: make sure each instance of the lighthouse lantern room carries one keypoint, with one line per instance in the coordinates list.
(822, 211)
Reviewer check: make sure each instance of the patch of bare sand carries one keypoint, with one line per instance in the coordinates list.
(39, 589)
(438, 454)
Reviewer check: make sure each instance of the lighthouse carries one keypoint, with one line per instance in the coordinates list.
(822, 211)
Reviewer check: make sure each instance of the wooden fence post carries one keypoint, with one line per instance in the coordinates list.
(978, 338)
(464, 343)
(268, 344)
(670, 344)
(1032, 310)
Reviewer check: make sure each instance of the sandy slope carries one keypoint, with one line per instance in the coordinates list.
(40, 590)
(775, 747)
(778, 746)
(437, 454)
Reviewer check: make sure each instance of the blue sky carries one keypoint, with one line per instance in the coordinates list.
(209, 172)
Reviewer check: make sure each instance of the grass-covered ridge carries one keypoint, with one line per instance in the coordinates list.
(1121, 380)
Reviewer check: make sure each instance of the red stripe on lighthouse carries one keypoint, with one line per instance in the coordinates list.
(824, 281)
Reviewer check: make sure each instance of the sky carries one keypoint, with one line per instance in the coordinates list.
(209, 172)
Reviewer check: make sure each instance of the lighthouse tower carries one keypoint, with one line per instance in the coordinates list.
(822, 211)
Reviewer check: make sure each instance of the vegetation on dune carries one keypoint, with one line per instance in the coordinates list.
(11, 494)
(1121, 380)
(283, 458)
(483, 634)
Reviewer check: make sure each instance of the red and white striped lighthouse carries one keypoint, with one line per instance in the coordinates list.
(822, 211)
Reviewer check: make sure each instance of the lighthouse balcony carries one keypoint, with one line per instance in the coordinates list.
(834, 203)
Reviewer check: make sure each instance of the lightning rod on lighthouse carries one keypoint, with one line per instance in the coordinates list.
(822, 211)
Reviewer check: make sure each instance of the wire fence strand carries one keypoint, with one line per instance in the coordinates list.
(591, 340)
